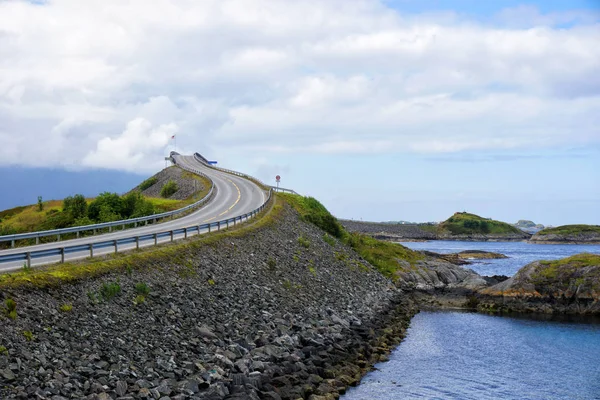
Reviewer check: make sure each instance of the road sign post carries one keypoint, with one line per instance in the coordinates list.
(277, 179)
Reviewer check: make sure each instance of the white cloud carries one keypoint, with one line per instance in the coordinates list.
(337, 76)
(138, 145)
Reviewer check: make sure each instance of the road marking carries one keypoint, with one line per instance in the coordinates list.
(233, 205)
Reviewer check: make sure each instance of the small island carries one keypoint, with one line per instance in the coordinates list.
(567, 286)
(471, 227)
(569, 234)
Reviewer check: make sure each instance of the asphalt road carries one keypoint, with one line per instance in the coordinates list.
(234, 196)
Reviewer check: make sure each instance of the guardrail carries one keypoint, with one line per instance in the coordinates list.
(60, 252)
(135, 221)
(204, 161)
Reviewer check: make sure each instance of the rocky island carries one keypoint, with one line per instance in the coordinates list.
(580, 234)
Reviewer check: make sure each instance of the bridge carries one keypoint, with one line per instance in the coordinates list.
(234, 197)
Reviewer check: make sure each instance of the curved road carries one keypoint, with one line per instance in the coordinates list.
(234, 196)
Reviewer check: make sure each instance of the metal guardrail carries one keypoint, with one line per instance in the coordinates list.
(26, 257)
(110, 225)
(204, 161)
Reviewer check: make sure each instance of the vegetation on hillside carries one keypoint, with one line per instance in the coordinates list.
(571, 230)
(381, 254)
(169, 189)
(568, 273)
(78, 211)
(463, 223)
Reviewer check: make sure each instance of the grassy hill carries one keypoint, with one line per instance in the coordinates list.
(571, 230)
(463, 223)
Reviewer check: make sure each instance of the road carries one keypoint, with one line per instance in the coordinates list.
(234, 196)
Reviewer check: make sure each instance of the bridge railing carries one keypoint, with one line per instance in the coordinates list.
(154, 238)
(135, 221)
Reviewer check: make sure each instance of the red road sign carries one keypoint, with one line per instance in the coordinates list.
(277, 178)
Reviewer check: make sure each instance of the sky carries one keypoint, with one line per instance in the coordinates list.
(381, 109)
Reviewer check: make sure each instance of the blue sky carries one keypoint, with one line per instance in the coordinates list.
(383, 110)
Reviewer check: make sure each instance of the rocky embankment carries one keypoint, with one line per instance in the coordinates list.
(393, 232)
(274, 313)
(187, 184)
(567, 286)
(569, 234)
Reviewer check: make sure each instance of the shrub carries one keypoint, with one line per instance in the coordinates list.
(66, 308)
(11, 308)
(169, 188)
(76, 206)
(110, 290)
(3, 350)
(148, 182)
(139, 299)
(40, 204)
(271, 263)
(108, 203)
(142, 288)
(303, 241)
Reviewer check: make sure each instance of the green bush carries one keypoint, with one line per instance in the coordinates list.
(110, 290)
(148, 182)
(142, 288)
(303, 241)
(76, 206)
(110, 204)
(328, 239)
(169, 188)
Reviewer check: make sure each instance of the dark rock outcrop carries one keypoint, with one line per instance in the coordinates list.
(393, 232)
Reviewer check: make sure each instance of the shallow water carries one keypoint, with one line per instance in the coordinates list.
(519, 253)
(457, 355)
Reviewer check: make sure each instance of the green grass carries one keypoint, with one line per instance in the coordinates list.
(151, 257)
(110, 290)
(10, 308)
(66, 308)
(142, 288)
(571, 230)
(28, 336)
(568, 272)
(463, 223)
(382, 255)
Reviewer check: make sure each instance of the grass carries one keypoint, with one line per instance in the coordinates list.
(142, 288)
(463, 223)
(3, 351)
(571, 230)
(29, 219)
(382, 255)
(66, 308)
(329, 239)
(570, 272)
(28, 336)
(303, 241)
(147, 183)
(58, 274)
(10, 308)
(109, 290)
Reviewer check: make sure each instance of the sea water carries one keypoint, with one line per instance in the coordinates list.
(458, 355)
(464, 355)
(519, 253)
